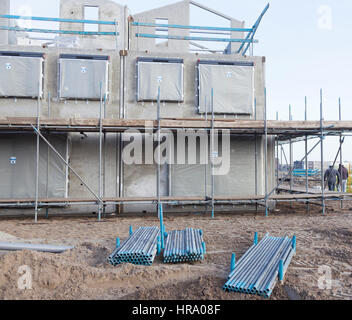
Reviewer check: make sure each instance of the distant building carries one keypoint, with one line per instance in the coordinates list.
(298, 165)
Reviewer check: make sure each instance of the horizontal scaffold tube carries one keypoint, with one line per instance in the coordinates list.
(10, 246)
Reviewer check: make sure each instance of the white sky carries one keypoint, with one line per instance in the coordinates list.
(306, 45)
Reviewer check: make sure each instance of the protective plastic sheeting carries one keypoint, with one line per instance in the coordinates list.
(239, 180)
(18, 167)
(167, 75)
(233, 87)
(81, 78)
(21, 76)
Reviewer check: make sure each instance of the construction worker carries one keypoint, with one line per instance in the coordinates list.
(331, 175)
(344, 177)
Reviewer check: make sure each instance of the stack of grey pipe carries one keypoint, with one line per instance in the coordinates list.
(140, 248)
(261, 266)
(185, 245)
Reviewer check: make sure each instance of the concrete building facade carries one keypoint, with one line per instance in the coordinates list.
(122, 54)
(4, 9)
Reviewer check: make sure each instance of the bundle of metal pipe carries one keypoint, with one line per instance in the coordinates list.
(261, 266)
(184, 245)
(139, 248)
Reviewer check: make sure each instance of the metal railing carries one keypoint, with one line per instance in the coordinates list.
(54, 31)
(245, 42)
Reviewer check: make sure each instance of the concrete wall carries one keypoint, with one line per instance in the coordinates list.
(140, 180)
(64, 108)
(4, 9)
(177, 13)
(236, 35)
(240, 180)
(84, 158)
(187, 109)
(108, 11)
(83, 150)
(18, 176)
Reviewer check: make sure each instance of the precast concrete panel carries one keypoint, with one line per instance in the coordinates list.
(21, 76)
(166, 75)
(81, 78)
(232, 85)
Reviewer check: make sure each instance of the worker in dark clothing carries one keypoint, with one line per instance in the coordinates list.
(331, 175)
(344, 177)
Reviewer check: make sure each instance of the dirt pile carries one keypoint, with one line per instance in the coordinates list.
(323, 248)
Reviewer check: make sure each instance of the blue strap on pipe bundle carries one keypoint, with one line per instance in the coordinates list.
(162, 227)
(263, 264)
(184, 246)
(139, 248)
(159, 246)
(255, 241)
(233, 262)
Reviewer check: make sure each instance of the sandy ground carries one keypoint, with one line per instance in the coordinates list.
(323, 244)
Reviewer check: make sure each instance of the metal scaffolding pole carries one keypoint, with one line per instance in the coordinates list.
(277, 153)
(306, 149)
(281, 162)
(159, 153)
(266, 154)
(341, 159)
(206, 157)
(212, 155)
(256, 155)
(37, 161)
(286, 176)
(286, 161)
(48, 159)
(322, 152)
(100, 183)
(291, 155)
(66, 163)
(337, 154)
(104, 158)
(119, 135)
(159, 205)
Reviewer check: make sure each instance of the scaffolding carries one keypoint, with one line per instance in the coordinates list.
(283, 132)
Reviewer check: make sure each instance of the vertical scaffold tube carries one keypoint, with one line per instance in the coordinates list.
(212, 155)
(322, 152)
(265, 155)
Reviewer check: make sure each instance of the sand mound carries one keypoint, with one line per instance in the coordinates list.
(75, 274)
(83, 273)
